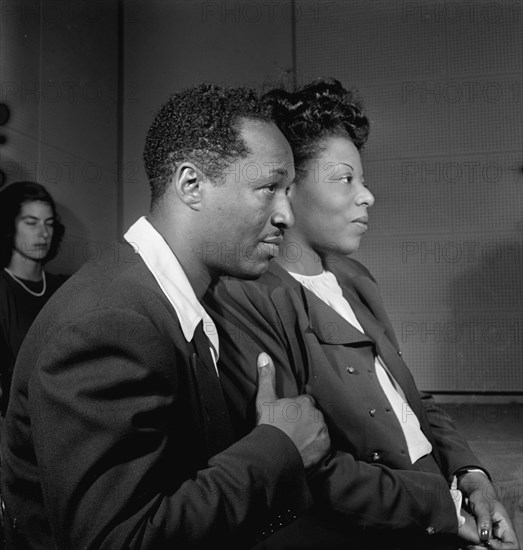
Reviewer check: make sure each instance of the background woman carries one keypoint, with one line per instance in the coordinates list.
(30, 233)
(320, 316)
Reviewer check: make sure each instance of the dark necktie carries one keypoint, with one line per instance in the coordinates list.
(203, 344)
(218, 429)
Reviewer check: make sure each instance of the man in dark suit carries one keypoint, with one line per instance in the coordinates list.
(117, 434)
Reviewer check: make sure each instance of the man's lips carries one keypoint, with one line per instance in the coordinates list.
(272, 244)
(274, 239)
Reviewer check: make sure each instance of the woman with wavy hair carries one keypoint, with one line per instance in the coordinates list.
(30, 234)
(398, 468)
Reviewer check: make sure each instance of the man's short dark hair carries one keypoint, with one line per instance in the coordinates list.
(201, 125)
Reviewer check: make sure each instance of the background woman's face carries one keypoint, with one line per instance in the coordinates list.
(34, 230)
(330, 202)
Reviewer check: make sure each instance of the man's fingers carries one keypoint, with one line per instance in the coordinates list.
(310, 398)
(307, 393)
(266, 380)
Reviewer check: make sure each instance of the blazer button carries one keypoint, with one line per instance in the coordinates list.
(400, 352)
(430, 530)
(372, 412)
(350, 370)
(375, 457)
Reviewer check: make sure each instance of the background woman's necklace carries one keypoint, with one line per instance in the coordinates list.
(15, 278)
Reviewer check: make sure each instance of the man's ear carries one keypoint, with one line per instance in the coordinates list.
(187, 184)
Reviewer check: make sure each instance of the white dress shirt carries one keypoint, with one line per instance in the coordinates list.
(170, 276)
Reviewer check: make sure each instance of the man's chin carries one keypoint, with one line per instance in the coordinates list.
(251, 270)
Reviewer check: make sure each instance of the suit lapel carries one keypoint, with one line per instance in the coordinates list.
(209, 423)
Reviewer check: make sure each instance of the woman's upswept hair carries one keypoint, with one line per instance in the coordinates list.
(318, 110)
(12, 198)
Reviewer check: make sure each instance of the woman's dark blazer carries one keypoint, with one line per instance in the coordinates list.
(369, 476)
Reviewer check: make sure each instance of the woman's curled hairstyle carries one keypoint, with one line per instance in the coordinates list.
(318, 110)
(12, 198)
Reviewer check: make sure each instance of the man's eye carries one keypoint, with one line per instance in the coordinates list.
(270, 188)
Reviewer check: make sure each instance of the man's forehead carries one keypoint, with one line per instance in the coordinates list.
(264, 137)
(268, 149)
(253, 127)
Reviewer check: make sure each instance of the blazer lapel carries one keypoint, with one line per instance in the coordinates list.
(328, 326)
(364, 297)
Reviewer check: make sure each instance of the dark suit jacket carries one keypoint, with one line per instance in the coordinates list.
(369, 479)
(117, 435)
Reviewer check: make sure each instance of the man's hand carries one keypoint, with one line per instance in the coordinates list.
(297, 417)
(493, 525)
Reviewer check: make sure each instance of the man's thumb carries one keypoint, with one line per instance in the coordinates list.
(266, 379)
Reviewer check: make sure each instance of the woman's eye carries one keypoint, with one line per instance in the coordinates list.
(347, 179)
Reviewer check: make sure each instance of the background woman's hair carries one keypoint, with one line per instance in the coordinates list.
(12, 198)
(318, 110)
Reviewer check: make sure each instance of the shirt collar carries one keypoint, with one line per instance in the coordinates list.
(170, 276)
